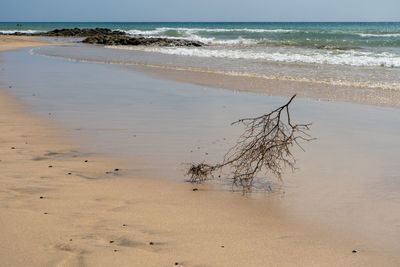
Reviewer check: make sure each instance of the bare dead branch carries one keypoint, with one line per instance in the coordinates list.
(265, 145)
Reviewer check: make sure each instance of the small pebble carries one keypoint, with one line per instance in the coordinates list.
(124, 225)
(50, 166)
(70, 239)
(69, 173)
(116, 170)
(222, 246)
(86, 160)
(111, 241)
(41, 197)
(195, 189)
(355, 251)
(176, 263)
(45, 213)
(10, 87)
(13, 147)
(206, 153)
(151, 243)
(115, 250)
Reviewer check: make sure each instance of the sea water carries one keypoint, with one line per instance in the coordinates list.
(351, 55)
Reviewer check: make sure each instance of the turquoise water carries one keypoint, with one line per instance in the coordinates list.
(348, 55)
(355, 44)
(316, 35)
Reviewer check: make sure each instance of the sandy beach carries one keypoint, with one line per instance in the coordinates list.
(64, 206)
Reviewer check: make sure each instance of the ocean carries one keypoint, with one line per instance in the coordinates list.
(344, 55)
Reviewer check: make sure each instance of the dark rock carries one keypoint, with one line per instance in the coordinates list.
(76, 32)
(354, 251)
(124, 225)
(104, 39)
(13, 147)
(151, 243)
(222, 246)
(104, 36)
(41, 197)
(176, 263)
(116, 170)
(45, 213)
(86, 160)
(69, 173)
(195, 189)
(111, 241)
(50, 166)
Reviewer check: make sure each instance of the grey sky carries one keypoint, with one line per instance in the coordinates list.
(200, 10)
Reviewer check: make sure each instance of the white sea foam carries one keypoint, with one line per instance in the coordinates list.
(379, 35)
(21, 31)
(351, 57)
(191, 36)
(192, 30)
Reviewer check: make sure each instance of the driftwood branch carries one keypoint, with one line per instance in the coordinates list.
(265, 146)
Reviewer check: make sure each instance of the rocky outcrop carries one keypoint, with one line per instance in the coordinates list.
(76, 32)
(104, 36)
(104, 39)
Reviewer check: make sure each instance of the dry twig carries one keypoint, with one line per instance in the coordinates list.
(265, 145)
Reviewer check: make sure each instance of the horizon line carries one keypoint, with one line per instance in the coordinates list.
(200, 21)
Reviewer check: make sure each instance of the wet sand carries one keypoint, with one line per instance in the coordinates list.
(63, 206)
(275, 87)
(12, 42)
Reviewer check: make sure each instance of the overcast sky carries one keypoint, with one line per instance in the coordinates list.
(200, 10)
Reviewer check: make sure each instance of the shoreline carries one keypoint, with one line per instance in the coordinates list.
(12, 42)
(273, 87)
(76, 219)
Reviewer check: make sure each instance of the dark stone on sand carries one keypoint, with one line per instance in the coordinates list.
(195, 189)
(86, 160)
(111, 241)
(104, 36)
(10, 87)
(45, 213)
(69, 173)
(151, 243)
(76, 32)
(41, 197)
(354, 251)
(124, 225)
(70, 239)
(115, 250)
(116, 170)
(222, 246)
(50, 166)
(13, 147)
(176, 263)
(106, 39)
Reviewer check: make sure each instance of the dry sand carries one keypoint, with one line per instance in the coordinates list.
(89, 218)
(13, 42)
